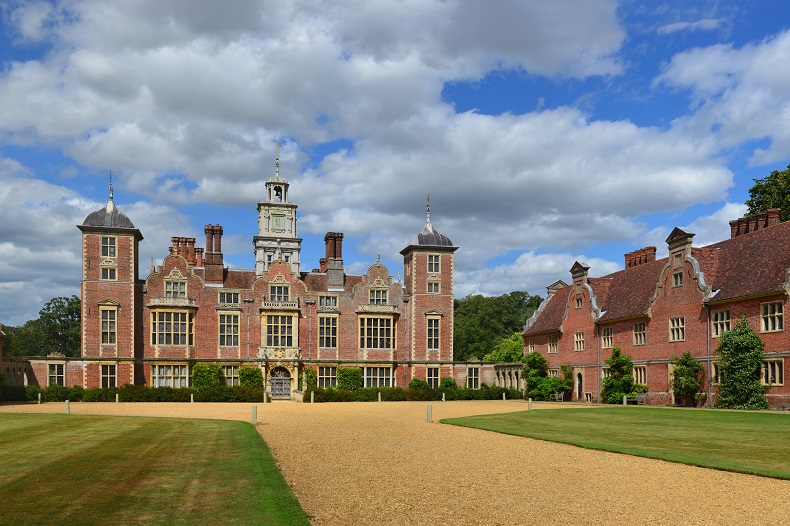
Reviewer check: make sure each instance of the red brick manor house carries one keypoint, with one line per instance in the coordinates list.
(656, 309)
(193, 308)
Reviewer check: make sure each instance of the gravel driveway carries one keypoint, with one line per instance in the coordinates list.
(382, 463)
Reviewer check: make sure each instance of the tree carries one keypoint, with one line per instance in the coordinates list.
(481, 322)
(741, 353)
(687, 379)
(620, 381)
(539, 384)
(510, 350)
(60, 320)
(57, 330)
(772, 191)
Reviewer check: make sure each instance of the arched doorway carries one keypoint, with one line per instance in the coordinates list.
(579, 387)
(280, 383)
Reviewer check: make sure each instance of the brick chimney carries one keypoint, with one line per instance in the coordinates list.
(215, 272)
(754, 222)
(332, 264)
(640, 257)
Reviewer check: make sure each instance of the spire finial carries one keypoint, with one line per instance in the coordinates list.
(428, 213)
(111, 172)
(277, 161)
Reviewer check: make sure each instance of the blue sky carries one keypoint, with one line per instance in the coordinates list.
(545, 132)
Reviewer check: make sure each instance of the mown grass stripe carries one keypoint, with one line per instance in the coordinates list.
(755, 443)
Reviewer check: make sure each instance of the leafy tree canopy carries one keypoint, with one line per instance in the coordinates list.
(57, 330)
(741, 362)
(687, 379)
(772, 191)
(481, 322)
(510, 350)
(620, 381)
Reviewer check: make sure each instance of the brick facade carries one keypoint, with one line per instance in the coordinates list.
(192, 308)
(676, 301)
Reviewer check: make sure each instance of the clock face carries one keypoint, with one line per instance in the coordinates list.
(278, 222)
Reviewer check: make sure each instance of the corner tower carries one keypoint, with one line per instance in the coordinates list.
(428, 268)
(111, 296)
(276, 237)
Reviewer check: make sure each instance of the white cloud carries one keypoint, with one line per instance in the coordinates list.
(532, 272)
(740, 94)
(708, 24)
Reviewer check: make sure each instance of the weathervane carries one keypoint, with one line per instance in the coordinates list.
(277, 160)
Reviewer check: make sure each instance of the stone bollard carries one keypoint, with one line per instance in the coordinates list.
(312, 397)
(264, 397)
(625, 400)
(529, 404)
(67, 407)
(379, 396)
(442, 397)
(39, 398)
(254, 414)
(116, 398)
(430, 417)
(503, 397)
(192, 398)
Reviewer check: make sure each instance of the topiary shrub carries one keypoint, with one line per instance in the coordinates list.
(417, 383)
(687, 379)
(349, 378)
(250, 376)
(310, 379)
(206, 375)
(741, 363)
(620, 382)
(448, 383)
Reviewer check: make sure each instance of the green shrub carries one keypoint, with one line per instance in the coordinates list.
(741, 363)
(250, 376)
(448, 383)
(620, 382)
(687, 379)
(206, 375)
(349, 378)
(417, 383)
(13, 393)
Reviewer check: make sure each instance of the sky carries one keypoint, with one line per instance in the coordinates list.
(545, 132)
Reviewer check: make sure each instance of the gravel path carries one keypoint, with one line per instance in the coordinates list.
(371, 463)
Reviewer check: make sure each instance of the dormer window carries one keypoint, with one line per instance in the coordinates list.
(279, 293)
(378, 297)
(175, 289)
(677, 279)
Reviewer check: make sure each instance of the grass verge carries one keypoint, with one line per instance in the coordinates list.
(86, 470)
(732, 441)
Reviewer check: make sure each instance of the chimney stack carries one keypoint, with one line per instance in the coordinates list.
(640, 257)
(754, 222)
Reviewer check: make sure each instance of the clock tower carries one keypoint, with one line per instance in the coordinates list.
(276, 237)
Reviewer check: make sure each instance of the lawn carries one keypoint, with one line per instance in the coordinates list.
(757, 443)
(86, 470)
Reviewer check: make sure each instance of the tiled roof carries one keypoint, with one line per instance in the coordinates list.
(550, 318)
(749, 264)
(627, 292)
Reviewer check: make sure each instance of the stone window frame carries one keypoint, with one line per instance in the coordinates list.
(640, 333)
(109, 375)
(578, 341)
(432, 377)
(552, 345)
(378, 296)
(327, 376)
(378, 376)
(434, 263)
(170, 375)
(772, 372)
(181, 331)
(473, 378)
(109, 274)
(377, 333)
(433, 332)
(607, 338)
(677, 329)
(772, 316)
(109, 246)
(176, 288)
(56, 374)
(433, 287)
(279, 293)
(640, 374)
(283, 336)
(229, 374)
(677, 279)
(228, 329)
(109, 325)
(327, 323)
(719, 322)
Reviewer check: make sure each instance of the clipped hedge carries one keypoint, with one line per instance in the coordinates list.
(137, 393)
(419, 393)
